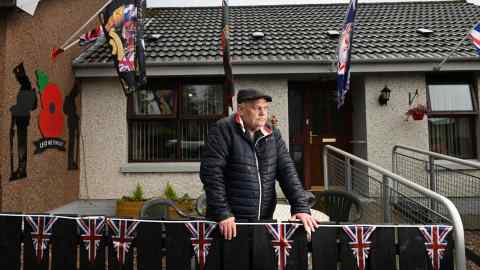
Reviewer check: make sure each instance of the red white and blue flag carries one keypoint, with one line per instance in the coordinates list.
(123, 232)
(475, 37)
(435, 241)
(360, 244)
(91, 233)
(282, 233)
(41, 231)
(343, 54)
(92, 36)
(201, 239)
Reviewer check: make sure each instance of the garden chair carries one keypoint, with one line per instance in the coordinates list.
(338, 205)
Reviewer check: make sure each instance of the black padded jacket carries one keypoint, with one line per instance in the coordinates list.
(239, 173)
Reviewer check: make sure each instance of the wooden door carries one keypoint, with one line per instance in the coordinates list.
(324, 124)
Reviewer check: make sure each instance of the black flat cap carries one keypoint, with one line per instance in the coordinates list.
(251, 94)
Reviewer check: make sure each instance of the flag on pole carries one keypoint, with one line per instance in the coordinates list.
(343, 52)
(475, 37)
(123, 27)
(225, 51)
(93, 36)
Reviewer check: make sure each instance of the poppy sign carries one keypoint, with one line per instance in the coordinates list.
(51, 120)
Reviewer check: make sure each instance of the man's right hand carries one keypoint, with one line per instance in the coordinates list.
(228, 228)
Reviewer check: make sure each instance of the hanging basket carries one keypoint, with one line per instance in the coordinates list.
(418, 115)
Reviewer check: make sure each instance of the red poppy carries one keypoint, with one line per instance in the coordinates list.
(51, 117)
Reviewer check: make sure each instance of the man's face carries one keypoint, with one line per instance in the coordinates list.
(254, 113)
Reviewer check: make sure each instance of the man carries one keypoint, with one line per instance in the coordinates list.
(241, 160)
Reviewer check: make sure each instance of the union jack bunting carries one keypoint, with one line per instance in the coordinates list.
(91, 232)
(343, 52)
(41, 231)
(201, 239)
(360, 244)
(281, 234)
(123, 232)
(435, 241)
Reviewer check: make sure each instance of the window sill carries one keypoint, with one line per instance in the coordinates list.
(160, 167)
(455, 166)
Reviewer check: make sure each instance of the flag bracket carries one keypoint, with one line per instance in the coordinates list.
(412, 97)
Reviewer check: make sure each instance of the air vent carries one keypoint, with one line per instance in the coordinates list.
(258, 35)
(333, 33)
(424, 31)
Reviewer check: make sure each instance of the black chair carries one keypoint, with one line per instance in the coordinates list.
(201, 205)
(338, 205)
(158, 209)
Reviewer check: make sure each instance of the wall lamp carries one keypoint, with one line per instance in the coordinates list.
(384, 96)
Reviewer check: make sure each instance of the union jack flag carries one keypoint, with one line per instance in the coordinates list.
(436, 243)
(360, 245)
(475, 37)
(123, 233)
(201, 240)
(41, 231)
(281, 241)
(344, 52)
(91, 232)
(92, 36)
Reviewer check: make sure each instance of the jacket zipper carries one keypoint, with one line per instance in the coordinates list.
(259, 178)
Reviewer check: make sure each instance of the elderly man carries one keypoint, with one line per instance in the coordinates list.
(241, 160)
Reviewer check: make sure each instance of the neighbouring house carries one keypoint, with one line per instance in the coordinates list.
(155, 136)
(36, 182)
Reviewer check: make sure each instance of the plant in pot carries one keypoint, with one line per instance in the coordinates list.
(129, 206)
(184, 203)
(417, 112)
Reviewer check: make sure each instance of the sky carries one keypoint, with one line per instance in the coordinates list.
(198, 3)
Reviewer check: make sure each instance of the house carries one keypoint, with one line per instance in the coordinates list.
(155, 136)
(44, 181)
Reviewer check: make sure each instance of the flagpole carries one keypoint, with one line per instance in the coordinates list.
(439, 66)
(84, 25)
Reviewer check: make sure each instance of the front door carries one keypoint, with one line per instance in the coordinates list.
(322, 124)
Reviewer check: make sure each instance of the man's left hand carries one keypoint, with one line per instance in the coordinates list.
(308, 221)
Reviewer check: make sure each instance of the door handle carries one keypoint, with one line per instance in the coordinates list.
(311, 135)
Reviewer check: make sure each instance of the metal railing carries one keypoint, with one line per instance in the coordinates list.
(454, 178)
(388, 197)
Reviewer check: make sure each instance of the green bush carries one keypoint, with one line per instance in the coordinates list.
(137, 194)
(169, 192)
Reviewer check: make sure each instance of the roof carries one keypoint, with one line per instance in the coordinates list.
(384, 32)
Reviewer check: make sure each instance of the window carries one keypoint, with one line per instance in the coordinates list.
(170, 120)
(451, 118)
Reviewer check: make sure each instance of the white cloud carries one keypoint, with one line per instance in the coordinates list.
(200, 3)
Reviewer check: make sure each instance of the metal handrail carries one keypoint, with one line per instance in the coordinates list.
(469, 163)
(452, 210)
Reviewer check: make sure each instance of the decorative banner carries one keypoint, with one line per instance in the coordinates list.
(201, 240)
(123, 27)
(123, 232)
(436, 243)
(51, 120)
(28, 6)
(281, 241)
(360, 245)
(41, 231)
(91, 233)
(26, 102)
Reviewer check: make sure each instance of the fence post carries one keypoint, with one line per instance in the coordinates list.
(387, 207)
(348, 174)
(325, 167)
(433, 182)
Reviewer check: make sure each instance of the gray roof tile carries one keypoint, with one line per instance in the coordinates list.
(383, 31)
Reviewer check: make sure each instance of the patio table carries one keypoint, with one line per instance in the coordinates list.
(282, 213)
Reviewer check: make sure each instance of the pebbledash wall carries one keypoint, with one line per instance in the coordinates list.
(29, 39)
(105, 173)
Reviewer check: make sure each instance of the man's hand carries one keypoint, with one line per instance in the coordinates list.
(228, 228)
(308, 221)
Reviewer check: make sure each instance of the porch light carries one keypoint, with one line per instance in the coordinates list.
(384, 96)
